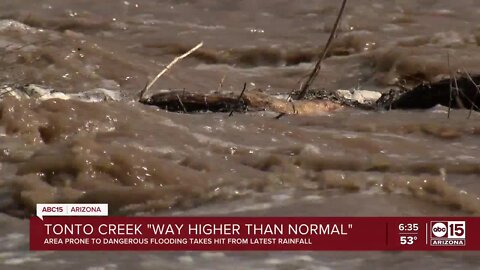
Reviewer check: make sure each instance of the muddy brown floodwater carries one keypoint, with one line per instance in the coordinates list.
(146, 161)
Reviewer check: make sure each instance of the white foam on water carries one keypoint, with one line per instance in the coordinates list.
(212, 255)
(11, 24)
(21, 260)
(186, 259)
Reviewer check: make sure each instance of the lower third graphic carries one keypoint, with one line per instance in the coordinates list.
(448, 233)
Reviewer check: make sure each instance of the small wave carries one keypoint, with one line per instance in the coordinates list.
(248, 57)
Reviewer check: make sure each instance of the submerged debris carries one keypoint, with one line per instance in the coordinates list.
(361, 96)
(461, 93)
(457, 93)
(44, 93)
(181, 101)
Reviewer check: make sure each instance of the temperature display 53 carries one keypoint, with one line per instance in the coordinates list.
(408, 239)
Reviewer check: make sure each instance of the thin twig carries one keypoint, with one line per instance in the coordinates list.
(6, 92)
(220, 85)
(457, 90)
(181, 103)
(289, 99)
(280, 115)
(239, 97)
(476, 93)
(318, 65)
(178, 58)
(450, 89)
(306, 85)
(459, 102)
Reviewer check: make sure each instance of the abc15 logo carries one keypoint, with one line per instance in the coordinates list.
(448, 229)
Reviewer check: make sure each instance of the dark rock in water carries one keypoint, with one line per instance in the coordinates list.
(462, 93)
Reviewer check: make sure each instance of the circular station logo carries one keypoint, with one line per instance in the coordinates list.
(439, 229)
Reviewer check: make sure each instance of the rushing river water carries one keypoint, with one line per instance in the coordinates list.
(146, 161)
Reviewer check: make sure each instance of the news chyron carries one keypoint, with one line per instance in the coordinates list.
(89, 227)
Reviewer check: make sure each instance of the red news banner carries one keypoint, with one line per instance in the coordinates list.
(254, 233)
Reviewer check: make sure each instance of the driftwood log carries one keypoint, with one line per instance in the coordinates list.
(188, 102)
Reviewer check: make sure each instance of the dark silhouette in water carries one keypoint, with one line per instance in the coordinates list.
(460, 93)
